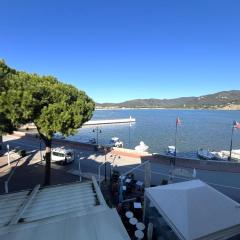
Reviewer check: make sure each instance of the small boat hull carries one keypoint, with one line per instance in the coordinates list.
(171, 150)
(205, 154)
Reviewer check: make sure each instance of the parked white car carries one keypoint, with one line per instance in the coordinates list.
(62, 155)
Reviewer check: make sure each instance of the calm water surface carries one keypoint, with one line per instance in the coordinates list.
(156, 127)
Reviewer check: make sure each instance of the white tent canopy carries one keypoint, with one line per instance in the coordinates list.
(194, 210)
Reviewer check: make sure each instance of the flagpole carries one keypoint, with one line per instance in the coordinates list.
(175, 152)
(230, 156)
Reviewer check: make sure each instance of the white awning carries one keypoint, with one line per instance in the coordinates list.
(96, 224)
(63, 212)
(194, 210)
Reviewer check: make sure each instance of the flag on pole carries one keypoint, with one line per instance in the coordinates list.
(236, 124)
(178, 121)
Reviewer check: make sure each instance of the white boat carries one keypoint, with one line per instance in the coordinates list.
(224, 155)
(115, 142)
(142, 147)
(220, 156)
(171, 150)
(205, 154)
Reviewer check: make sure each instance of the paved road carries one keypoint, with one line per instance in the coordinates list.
(228, 183)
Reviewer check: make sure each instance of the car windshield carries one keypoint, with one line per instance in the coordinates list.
(58, 154)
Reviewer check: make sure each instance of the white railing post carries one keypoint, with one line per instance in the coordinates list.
(79, 169)
(8, 156)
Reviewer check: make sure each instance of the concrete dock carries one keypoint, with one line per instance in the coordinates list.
(110, 121)
(92, 122)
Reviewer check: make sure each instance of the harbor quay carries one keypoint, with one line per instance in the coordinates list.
(225, 179)
(211, 165)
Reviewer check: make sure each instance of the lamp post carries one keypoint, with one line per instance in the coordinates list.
(112, 164)
(79, 167)
(105, 167)
(178, 122)
(8, 155)
(236, 125)
(97, 130)
(40, 148)
(231, 144)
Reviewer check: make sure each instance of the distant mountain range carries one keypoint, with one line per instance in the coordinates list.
(220, 100)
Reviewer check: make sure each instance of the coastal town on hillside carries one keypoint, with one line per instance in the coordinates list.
(227, 100)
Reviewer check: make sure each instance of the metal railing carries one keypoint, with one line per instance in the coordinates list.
(147, 163)
(10, 176)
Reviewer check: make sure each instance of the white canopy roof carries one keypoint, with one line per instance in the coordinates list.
(62, 212)
(98, 224)
(194, 210)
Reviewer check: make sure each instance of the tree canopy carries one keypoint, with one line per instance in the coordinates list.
(51, 105)
(6, 125)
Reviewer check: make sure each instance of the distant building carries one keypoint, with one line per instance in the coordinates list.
(191, 210)
(62, 212)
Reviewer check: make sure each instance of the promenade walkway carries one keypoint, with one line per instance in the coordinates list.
(30, 172)
(224, 181)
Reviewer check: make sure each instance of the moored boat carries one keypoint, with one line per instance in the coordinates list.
(225, 155)
(205, 154)
(115, 142)
(171, 150)
(142, 147)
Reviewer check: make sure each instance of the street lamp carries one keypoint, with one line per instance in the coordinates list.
(97, 130)
(8, 147)
(105, 151)
(40, 148)
(79, 167)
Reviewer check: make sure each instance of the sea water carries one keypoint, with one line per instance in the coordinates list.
(208, 129)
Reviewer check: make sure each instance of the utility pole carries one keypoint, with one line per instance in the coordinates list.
(105, 173)
(97, 130)
(40, 148)
(9, 164)
(230, 155)
(175, 152)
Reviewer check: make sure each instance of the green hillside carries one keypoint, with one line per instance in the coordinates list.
(211, 101)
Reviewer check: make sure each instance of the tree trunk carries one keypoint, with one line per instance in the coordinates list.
(47, 179)
(48, 143)
(1, 142)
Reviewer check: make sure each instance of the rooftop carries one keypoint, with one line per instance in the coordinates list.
(71, 211)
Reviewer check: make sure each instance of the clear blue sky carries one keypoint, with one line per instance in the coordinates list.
(124, 49)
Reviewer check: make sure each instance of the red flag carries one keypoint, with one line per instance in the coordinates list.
(236, 124)
(178, 121)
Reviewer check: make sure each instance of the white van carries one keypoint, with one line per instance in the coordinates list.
(62, 155)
